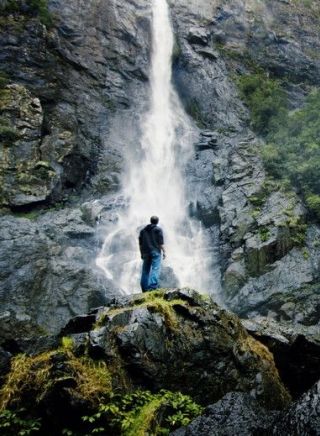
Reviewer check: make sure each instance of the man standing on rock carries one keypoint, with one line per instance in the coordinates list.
(151, 248)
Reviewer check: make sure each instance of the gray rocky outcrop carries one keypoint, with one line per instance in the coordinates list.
(47, 272)
(175, 340)
(279, 36)
(85, 67)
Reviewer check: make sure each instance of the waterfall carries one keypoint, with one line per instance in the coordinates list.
(154, 183)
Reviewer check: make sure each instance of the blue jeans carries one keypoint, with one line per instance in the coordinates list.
(151, 271)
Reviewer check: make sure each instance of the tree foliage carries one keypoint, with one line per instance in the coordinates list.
(266, 100)
(292, 150)
(28, 8)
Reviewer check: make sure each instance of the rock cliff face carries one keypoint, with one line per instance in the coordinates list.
(74, 79)
(70, 85)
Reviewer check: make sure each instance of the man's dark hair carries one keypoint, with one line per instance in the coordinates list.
(154, 220)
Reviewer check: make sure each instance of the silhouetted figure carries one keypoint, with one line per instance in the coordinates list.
(151, 248)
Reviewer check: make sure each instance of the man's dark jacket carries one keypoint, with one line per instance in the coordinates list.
(150, 239)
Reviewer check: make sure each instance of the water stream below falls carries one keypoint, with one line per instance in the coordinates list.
(155, 184)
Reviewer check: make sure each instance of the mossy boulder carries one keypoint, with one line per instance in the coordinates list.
(25, 177)
(179, 340)
(139, 362)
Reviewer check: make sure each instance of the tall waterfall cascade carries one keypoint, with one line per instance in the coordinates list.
(154, 184)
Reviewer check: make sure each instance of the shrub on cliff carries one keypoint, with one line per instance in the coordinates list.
(266, 100)
(292, 152)
(27, 8)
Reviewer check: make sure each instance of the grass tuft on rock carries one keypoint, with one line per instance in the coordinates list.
(92, 377)
(27, 373)
(153, 301)
(35, 375)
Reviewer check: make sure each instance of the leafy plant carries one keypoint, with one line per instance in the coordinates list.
(40, 7)
(16, 423)
(141, 412)
(264, 233)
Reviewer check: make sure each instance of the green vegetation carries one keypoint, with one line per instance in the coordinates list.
(264, 233)
(266, 100)
(17, 423)
(30, 215)
(26, 373)
(141, 413)
(269, 185)
(10, 6)
(294, 231)
(111, 409)
(194, 111)
(34, 374)
(292, 153)
(8, 134)
(38, 8)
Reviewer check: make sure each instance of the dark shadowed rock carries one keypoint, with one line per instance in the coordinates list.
(31, 346)
(72, 88)
(296, 350)
(5, 358)
(235, 413)
(79, 324)
(238, 414)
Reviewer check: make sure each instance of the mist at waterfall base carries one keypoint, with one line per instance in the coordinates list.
(154, 185)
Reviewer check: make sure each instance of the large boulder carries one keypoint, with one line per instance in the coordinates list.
(178, 340)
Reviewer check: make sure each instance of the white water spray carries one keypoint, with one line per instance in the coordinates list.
(154, 183)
